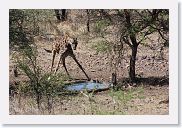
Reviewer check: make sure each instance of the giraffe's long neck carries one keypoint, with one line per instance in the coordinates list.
(69, 48)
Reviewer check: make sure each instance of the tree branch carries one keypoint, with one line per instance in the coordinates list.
(146, 34)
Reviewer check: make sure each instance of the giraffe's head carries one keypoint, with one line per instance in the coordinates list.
(72, 42)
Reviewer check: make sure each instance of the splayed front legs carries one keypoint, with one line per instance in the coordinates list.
(79, 65)
(63, 57)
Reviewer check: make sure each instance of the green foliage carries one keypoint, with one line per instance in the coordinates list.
(120, 95)
(40, 84)
(101, 47)
(18, 35)
(44, 84)
(24, 24)
(101, 25)
(120, 101)
(52, 84)
(125, 96)
(36, 18)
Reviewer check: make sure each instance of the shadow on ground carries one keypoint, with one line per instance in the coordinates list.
(152, 81)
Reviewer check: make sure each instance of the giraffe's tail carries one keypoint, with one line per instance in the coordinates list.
(49, 51)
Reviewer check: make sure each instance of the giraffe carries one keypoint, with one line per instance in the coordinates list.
(64, 46)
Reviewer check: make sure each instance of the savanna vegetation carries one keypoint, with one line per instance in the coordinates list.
(127, 48)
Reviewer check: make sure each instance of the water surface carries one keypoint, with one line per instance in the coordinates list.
(87, 86)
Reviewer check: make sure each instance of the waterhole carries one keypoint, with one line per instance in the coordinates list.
(87, 86)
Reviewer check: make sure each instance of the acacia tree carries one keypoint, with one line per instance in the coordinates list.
(135, 27)
(138, 24)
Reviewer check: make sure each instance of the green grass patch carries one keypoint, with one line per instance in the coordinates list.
(125, 96)
(100, 25)
(101, 47)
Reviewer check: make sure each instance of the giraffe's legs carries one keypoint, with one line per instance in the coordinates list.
(64, 65)
(62, 58)
(79, 65)
(53, 57)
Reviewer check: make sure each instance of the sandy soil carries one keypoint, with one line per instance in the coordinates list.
(150, 96)
(145, 101)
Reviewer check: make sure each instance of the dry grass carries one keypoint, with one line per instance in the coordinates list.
(134, 101)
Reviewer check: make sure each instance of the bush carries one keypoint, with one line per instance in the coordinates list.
(102, 47)
(101, 25)
(40, 84)
(24, 24)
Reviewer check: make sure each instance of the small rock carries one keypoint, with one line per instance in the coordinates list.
(144, 57)
(64, 108)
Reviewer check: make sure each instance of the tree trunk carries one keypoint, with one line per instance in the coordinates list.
(88, 21)
(57, 14)
(132, 63)
(114, 81)
(61, 14)
(64, 15)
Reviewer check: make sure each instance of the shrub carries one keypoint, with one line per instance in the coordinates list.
(101, 25)
(102, 47)
(40, 84)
